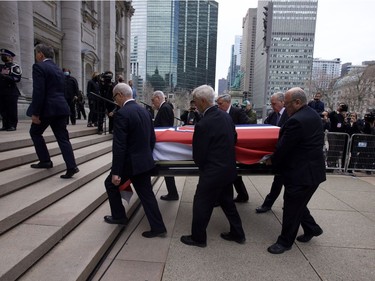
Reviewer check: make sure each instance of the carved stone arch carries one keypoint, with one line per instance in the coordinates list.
(88, 56)
(90, 62)
(119, 65)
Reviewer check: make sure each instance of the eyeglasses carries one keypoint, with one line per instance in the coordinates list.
(114, 97)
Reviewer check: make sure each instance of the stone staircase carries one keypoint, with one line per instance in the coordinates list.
(53, 228)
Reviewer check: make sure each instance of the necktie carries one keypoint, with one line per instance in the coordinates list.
(278, 118)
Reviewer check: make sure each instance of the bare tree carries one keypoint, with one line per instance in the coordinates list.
(359, 91)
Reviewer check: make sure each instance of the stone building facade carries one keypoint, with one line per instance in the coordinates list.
(87, 36)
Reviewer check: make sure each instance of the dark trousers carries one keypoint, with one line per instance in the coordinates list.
(296, 213)
(206, 195)
(275, 191)
(80, 110)
(143, 187)
(100, 111)
(171, 186)
(240, 188)
(58, 126)
(9, 110)
(72, 116)
(92, 118)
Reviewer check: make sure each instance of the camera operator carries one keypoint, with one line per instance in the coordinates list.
(105, 89)
(191, 116)
(339, 123)
(355, 124)
(369, 126)
(10, 74)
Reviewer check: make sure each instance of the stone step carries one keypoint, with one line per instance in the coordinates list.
(76, 256)
(20, 156)
(20, 138)
(26, 243)
(79, 253)
(50, 225)
(21, 176)
(18, 206)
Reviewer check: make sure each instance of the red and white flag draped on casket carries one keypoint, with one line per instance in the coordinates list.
(253, 143)
(126, 191)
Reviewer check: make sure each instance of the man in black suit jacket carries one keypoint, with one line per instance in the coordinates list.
(165, 118)
(214, 153)
(299, 158)
(133, 142)
(277, 118)
(239, 117)
(49, 108)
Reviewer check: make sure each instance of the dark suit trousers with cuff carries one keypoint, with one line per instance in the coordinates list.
(143, 187)
(58, 126)
(205, 198)
(171, 186)
(275, 191)
(296, 213)
(240, 188)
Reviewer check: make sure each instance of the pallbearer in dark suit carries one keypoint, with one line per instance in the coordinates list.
(299, 158)
(165, 118)
(239, 117)
(214, 153)
(133, 142)
(49, 108)
(277, 118)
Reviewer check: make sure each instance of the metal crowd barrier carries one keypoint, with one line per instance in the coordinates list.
(336, 150)
(361, 153)
(348, 154)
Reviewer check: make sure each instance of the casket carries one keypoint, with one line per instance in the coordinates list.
(173, 150)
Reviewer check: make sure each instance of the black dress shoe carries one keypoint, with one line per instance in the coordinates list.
(240, 199)
(70, 173)
(11, 129)
(3, 129)
(169, 197)
(277, 248)
(186, 239)
(111, 220)
(230, 237)
(262, 209)
(307, 237)
(152, 234)
(42, 165)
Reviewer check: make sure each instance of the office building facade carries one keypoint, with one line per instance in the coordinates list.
(173, 45)
(323, 72)
(288, 61)
(248, 52)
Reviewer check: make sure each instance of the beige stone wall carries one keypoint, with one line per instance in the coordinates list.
(87, 36)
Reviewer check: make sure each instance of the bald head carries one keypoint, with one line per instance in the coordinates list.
(294, 99)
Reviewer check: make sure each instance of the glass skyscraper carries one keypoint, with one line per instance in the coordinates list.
(290, 54)
(173, 44)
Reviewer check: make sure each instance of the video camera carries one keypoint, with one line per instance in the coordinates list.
(369, 117)
(106, 76)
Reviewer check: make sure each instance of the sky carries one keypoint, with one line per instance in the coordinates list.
(345, 29)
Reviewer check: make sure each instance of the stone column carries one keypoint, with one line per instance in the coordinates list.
(71, 44)
(9, 32)
(108, 35)
(26, 28)
(129, 12)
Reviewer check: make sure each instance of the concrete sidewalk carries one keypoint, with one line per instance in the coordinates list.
(343, 206)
